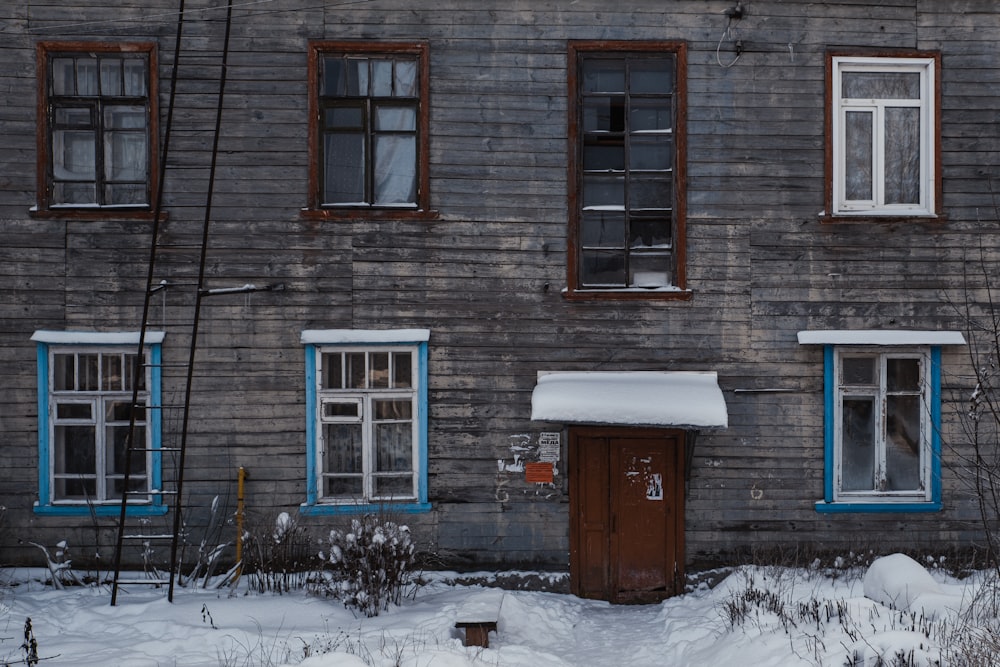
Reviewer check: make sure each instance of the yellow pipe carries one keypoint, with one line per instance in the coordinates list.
(240, 478)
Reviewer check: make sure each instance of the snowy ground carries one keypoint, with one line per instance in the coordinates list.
(756, 616)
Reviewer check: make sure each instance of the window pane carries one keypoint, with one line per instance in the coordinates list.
(355, 362)
(118, 411)
(603, 267)
(381, 78)
(858, 445)
(343, 448)
(75, 450)
(344, 168)
(74, 193)
(902, 445)
(130, 361)
(125, 118)
(86, 77)
(111, 77)
(652, 153)
(111, 372)
(650, 233)
(650, 192)
(395, 169)
(351, 410)
(603, 75)
(604, 190)
(394, 486)
(89, 372)
(604, 114)
(858, 156)
(125, 156)
(857, 371)
(124, 194)
(117, 445)
(406, 78)
(403, 367)
(63, 76)
(379, 371)
(74, 411)
(76, 117)
(345, 118)
(333, 80)
(394, 447)
(393, 409)
(342, 487)
(75, 488)
(64, 372)
(650, 115)
(608, 155)
(881, 85)
(333, 371)
(399, 119)
(135, 77)
(73, 154)
(652, 76)
(903, 374)
(902, 155)
(649, 270)
(603, 229)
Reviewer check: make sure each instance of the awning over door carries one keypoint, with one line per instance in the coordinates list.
(679, 399)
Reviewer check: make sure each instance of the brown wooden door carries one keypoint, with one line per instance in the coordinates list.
(627, 513)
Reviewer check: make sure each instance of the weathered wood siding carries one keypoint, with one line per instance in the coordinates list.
(485, 276)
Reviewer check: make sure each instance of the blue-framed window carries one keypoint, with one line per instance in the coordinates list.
(366, 427)
(84, 411)
(882, 419)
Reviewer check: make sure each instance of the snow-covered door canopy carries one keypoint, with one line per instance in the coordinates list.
(679, 399)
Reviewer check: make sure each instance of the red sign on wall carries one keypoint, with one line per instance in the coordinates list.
(539, 473)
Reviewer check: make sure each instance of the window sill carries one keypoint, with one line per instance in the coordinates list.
(348, 214)
(108, 213)
(869, 218)
(321, 509)
(628, 294)
(99, 510)
(843, 507)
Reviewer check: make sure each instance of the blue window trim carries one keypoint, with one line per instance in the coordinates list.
(828, 505)
(312, 506)
(44, 504)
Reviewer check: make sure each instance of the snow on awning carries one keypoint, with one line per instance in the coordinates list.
(639, 398)
(96, 337)
(880, 337)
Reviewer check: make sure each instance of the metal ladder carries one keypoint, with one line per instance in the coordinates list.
(129, 533)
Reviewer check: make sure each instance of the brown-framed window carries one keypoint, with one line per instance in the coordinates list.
(97, 127)
(627, 156)
(368, 129)
(883, 135)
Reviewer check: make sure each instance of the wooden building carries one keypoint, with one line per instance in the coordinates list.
(617, 288)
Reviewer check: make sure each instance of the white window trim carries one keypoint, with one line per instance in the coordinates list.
(81, 342)
(321, 341)
(921, 65)
(926, 448)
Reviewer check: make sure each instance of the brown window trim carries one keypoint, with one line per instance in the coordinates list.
(680, 292)
(422, 211)
(42, 208)
(828, 217)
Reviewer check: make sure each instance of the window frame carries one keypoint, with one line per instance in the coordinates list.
(49, 344)
(835, 498)
(320, 342)
(928, 65)
(578, 52)
(315, 207)
(47, 51)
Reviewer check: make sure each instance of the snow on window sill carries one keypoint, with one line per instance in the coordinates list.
(99, 510)
(323, 509)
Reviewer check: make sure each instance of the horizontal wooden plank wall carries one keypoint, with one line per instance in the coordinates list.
(485, 276)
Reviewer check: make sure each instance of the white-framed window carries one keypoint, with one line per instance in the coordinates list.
(883, 135)
(367, 429)
(882, 433)
(882, 419)
(85, 408)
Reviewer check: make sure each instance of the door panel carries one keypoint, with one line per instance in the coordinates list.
(627, 527)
